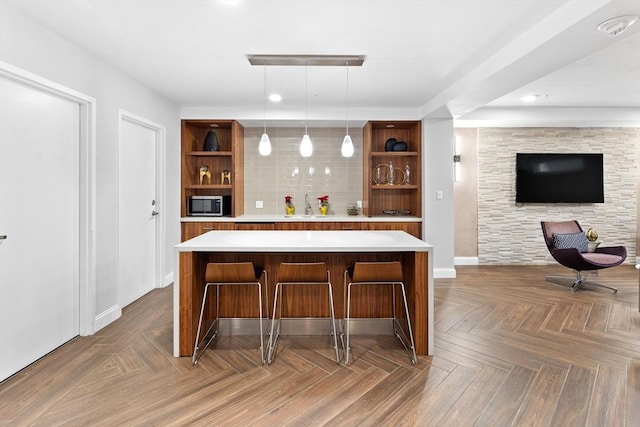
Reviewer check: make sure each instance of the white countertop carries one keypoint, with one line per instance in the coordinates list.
(304, 241)
(302, 218)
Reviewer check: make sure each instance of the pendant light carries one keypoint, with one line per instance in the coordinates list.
(347, 145)
(306, 148)
(264, 148)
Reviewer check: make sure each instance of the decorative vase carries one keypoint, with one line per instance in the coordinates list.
(211, 142)
(290, 210)
(323, 209)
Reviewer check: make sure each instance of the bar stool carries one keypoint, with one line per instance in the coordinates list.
(378, 273)
(300, 274)
(225, 274)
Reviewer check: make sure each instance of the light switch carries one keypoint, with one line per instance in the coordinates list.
(259, 204)
(439, 195)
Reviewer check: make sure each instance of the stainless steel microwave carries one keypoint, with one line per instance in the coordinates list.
(209, 206)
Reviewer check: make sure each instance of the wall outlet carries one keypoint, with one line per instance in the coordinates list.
(359, 204)
(439, 195)
(259, 204)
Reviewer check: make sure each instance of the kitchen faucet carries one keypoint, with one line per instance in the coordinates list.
(307, 205)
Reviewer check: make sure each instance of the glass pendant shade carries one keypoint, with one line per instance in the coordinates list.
(347, 147)
(306, 148)
(264, 148)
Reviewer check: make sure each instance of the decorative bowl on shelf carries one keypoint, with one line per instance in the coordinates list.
(397, 212)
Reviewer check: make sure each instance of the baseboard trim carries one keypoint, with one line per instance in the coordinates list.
(168, 279)
(305, 326)
(108, 316)
(444, 273)
(465, 260)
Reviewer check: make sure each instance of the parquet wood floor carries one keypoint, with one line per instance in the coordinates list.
(511, 349)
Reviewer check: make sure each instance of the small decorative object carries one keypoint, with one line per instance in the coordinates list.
(379, 175)
(396, 212)
(289, 207)
(592, 237)
(226, 176)
(390, 175)
(388, 146)
(400, 146)
(352, 209)
(205, 172)
(407, 174)
(323, 204)
(382, 173)
(211, 141)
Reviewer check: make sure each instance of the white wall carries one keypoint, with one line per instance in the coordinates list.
(28, 45)
(437, 135)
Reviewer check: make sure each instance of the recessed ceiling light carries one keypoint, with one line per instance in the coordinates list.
(618, 25)
(529, 98)
(274, 97)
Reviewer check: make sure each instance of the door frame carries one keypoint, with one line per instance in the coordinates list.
(87, 184)
(160, 132)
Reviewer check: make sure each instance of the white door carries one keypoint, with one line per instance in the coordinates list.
(138, 210)
(39, 224)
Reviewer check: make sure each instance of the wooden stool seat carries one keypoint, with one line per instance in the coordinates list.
(224, 274)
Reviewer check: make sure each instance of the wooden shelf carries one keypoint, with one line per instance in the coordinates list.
(394, 154)
(208, 187)
(394, 187)
(209, 153)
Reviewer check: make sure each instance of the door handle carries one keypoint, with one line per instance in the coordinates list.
(3, 237)
(154, 213)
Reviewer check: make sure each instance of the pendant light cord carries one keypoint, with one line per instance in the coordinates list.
(265, 96)
(306, 97)
(347, 97)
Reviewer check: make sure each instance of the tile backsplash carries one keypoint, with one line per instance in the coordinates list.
(285, 172)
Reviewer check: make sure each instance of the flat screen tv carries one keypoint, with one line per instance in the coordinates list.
(559, 178)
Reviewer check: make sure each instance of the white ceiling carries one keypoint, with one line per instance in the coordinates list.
(472, 59)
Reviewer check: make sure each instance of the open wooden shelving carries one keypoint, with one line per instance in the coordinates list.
(381, 197)
(230, 158)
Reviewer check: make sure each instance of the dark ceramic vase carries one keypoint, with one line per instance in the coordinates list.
(211, 142)
(388, 146)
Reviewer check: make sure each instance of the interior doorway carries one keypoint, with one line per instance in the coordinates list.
(46, 182)
(140, 202)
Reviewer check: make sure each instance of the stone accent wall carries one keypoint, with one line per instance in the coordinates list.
(510, 234)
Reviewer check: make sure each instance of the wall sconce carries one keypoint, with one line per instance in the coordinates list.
(456, 159)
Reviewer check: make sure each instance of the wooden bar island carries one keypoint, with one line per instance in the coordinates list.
(268, 249)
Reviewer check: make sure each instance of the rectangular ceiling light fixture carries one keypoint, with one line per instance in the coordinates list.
(312, 60)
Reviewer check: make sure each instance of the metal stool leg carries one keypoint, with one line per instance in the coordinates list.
(260, 320)
(348, 324)
(196, 347)
(412, 353)
(274, 335)
(333, 322)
